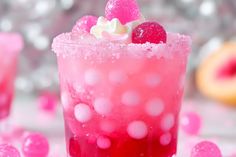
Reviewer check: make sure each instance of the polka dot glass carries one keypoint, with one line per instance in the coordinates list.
(10, 46)
(121, 100)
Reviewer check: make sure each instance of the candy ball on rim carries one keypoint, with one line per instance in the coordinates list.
(85, 23)
(125, 10)
(151, 32)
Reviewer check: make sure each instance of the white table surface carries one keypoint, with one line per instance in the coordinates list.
(219, 125)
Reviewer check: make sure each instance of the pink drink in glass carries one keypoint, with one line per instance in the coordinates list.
(10, 46)
(121, 100)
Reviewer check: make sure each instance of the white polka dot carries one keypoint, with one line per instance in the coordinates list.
(152, 80)
(107, 126)
(117, 77)
(165, 139)
(3, 99)
(103, 142)
(102, 106)
(91, 77)
(137, 130)
(65, 100)
(167, 122)
(130, 98)
(82, 112)
(154, 107)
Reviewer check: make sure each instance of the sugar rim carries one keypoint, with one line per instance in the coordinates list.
(64, 45)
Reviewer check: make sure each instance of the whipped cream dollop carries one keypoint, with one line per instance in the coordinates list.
(112, 27)
(114, 30)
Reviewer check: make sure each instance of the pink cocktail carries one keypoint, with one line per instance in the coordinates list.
(121, 79)
(121, 100)
(10, 46)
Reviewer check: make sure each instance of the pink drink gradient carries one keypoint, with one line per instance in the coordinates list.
(121, 100)
(10, 46)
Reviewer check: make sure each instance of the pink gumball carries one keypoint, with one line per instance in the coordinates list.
(8, 151)
(191, 123)
(206, 149)
(35, 145)
(85, 23)
(125, 10)
(47, 102)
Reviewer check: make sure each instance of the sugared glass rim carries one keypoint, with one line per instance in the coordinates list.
(86, 45)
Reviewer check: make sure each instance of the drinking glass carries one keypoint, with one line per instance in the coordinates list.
(121, 100)
(10, 46)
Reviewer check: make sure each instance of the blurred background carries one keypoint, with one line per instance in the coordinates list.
(210, 23)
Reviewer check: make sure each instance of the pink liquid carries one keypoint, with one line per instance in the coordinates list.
(10, 45)
(7, 72)
(121, 101)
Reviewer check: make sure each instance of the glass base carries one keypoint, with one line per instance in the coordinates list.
(120, 145)
(78, 147)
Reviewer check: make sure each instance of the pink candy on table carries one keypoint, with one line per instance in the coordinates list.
(125, 10)
(8, 151)
(47, 102)
(35, 145)
(206, 149)
(85, 23)
(191, 123)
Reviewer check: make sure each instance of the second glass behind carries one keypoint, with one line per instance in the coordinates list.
(10, 46)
